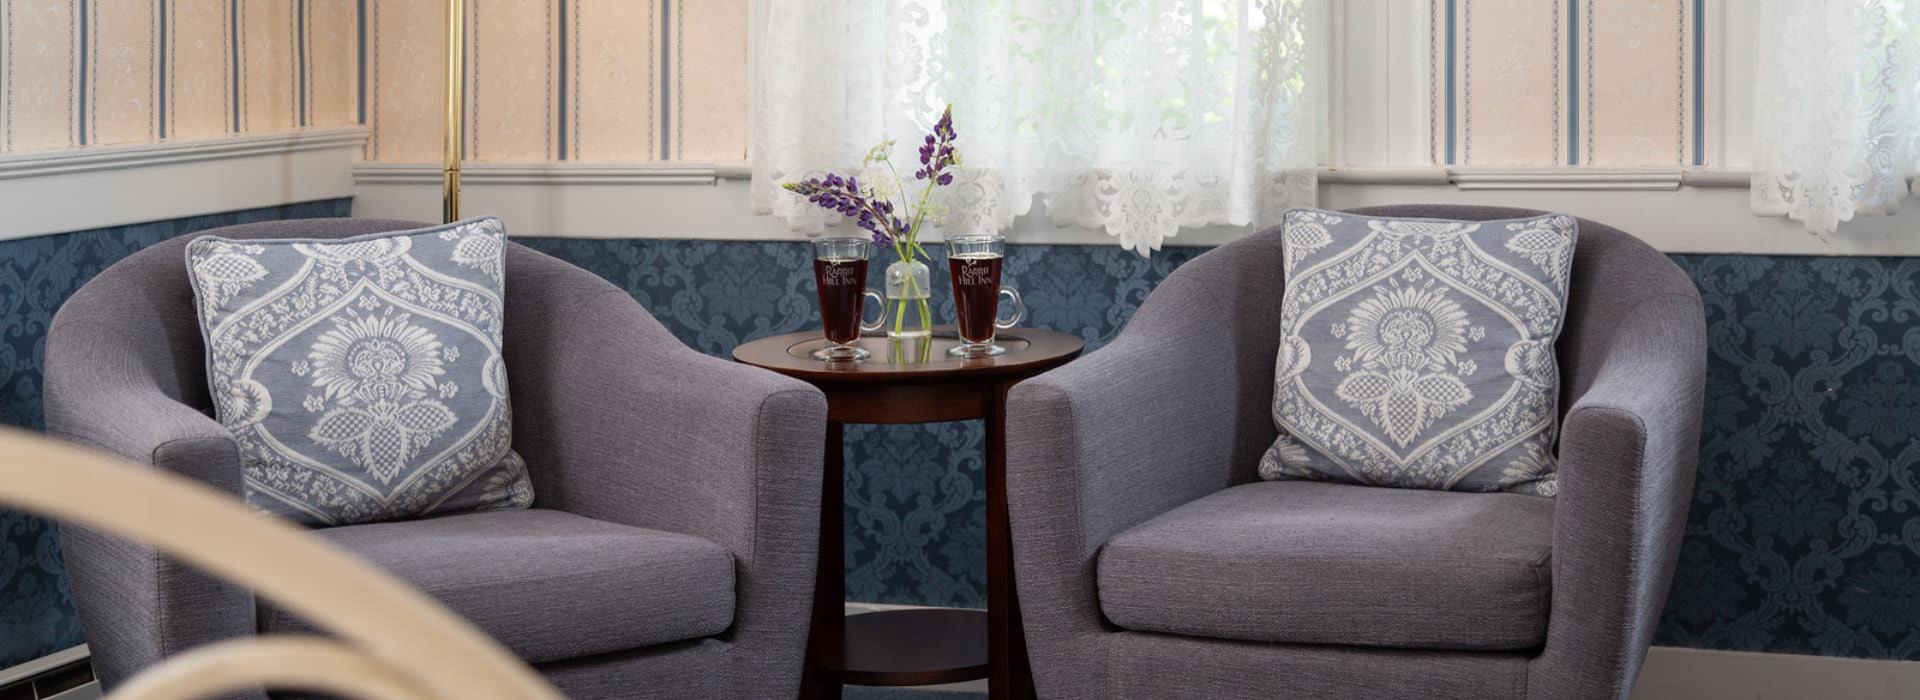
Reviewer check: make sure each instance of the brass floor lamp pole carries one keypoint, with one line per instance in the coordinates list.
(456, 94)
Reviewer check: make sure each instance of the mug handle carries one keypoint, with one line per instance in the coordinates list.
(1019, 309)
(878, 323)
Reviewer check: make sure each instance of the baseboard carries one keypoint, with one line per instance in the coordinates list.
(1676, 673)
(1670, 673)
(63, 675)
(1673, 673)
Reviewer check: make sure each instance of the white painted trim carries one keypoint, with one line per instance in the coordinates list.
(1690, 211)
(101, 158)
(1689, 218)
(710, 202)
(542, 174)
(89, 188)
(1678, 673)
(26, 670)
(1731, 26)
(1378, 96)
(1566, 179)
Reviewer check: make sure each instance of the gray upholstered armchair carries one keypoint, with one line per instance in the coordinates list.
(670, 550)
(1152, 562)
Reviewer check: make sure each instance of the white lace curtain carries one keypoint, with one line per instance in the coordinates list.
(1836, 108)
(1138, 117)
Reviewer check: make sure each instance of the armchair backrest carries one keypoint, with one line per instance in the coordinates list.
(1612, 271)
(146, 302)
(143, 305)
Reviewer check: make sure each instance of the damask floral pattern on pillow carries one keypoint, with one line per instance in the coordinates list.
(362, 377)
(1418, 353)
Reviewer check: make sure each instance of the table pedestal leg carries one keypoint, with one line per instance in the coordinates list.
(1006, 642)
(829, 583)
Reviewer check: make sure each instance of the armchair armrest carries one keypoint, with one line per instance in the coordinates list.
(104, 390)
(620, 421)
(1628, 449)
(1177, 407)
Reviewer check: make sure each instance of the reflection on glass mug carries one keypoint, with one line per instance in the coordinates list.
(840, 273)
(974, 264)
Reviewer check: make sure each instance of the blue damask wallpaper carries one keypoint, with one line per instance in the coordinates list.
(1805, 530)
(36, 276)
(1804, 537)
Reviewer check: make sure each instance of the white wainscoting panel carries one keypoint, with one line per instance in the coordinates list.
(87, 188)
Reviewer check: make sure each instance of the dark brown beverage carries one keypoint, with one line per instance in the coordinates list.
(976, 294)
(841, 281)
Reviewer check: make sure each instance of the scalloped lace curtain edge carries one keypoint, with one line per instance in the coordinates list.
(1836, 109)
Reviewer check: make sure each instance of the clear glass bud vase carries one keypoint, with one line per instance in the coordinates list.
(908, 290)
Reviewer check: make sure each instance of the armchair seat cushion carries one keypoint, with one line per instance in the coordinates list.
(549, 585)
(1324, 563)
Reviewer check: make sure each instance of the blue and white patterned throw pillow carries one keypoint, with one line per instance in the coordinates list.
(1418, 353)
(361, 377)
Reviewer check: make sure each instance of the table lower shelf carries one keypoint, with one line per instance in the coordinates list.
(909, 647)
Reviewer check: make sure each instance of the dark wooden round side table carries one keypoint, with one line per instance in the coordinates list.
(915, 382)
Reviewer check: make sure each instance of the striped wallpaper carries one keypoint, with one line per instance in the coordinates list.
(78, 73)
(1527, 83)
(548, 80)
(1543, 83)
(563, 80)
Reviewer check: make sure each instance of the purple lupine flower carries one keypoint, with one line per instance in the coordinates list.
(844, 195)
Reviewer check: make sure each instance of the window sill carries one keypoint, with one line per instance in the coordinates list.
(1538, 178)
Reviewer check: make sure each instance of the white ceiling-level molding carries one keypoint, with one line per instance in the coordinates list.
(99, 187)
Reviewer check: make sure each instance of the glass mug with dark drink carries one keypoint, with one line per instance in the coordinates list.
(840, 273)
(974, 264)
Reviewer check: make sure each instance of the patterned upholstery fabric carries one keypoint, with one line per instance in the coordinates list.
(1419, 353)
(362, 378)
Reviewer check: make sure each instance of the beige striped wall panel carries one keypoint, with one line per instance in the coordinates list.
(548, 80)
(512, 63)
(615, 81)
(1509, 69)
(269, 101)
(43, 57)
(81, 73)
(123, 71)
(709, 81)
(332, 60)
(1637, 106)
(406, 79)
(1555, 83)
(620, 81)
(199, 70)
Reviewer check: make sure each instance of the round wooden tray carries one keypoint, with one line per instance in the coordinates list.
(1028, 350)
